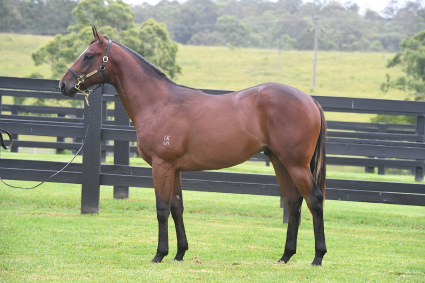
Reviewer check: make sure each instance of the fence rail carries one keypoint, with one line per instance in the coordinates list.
(355, 144)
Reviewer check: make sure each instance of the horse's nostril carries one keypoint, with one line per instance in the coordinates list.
(62, 86)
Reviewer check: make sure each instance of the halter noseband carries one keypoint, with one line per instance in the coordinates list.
(80, 84)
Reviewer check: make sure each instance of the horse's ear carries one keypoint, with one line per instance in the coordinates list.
(93, 28)
(101, 39)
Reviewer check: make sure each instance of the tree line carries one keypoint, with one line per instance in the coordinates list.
(285, 24)
(36, 16)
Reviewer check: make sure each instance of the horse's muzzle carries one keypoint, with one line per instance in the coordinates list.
(71, 93)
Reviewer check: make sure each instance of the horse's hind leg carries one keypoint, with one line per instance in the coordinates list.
(303, 179)
(177, 213)
(293, 201)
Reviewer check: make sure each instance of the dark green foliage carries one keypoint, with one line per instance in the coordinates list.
(233, 30)
(113, 13)
(151, 40)
(412, 61)
(197, 21)
(34, 16)
(115, 20)
(342, 28)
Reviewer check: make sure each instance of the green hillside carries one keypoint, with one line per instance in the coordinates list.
(351, 74)
(15, 60)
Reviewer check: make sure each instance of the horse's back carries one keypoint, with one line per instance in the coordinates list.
(276, 106)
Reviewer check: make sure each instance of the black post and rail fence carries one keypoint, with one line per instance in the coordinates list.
(368, 145)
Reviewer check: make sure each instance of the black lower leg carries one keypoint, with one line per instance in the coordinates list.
(294, 209)
(163, 211)
(177, 213)
(319, 231)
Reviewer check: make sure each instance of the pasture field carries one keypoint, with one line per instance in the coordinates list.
(232, 238)
(16, 58)
(351, 74)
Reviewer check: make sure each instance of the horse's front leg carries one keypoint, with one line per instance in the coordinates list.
(163, 178)
(177, 213)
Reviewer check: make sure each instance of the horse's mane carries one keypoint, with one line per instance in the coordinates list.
(143, 62)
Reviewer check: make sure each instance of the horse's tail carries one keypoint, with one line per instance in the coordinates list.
(318, 161)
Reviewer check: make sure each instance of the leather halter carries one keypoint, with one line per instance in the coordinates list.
(81, 78)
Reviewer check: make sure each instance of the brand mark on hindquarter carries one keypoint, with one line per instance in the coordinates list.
(166, 140)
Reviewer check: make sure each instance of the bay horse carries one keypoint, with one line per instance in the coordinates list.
(183, 129)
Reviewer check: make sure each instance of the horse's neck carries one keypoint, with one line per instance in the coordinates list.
(141, 91)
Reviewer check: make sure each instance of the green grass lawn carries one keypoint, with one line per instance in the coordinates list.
(232, 238)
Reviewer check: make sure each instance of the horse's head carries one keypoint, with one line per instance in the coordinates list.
(88, 69)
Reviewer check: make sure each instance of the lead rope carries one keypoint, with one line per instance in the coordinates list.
(85, 138)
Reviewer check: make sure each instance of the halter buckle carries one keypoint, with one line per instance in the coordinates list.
(105, 59)
(86, 95)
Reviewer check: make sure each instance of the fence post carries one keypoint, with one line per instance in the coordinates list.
(79, 115)
(15, 111)
(285, 210)
(0, 114)
(104, 116)
(420, 130)
(60, 139)
(90, 189)
(382, 129)
(121, 148)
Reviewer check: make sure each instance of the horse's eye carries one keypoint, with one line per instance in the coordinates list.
(88, 57)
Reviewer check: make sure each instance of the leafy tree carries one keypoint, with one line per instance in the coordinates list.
(292, 6)
(35, 16)
(114, 13)
(10, 19)
(60, 51)
(150, 39)
(194, 16)
(208, 38)
(234, 30)
(412, 61)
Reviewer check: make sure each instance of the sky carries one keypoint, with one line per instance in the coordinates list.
(376, 5)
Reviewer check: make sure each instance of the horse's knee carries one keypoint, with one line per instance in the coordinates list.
(162, 214)
(176, 208)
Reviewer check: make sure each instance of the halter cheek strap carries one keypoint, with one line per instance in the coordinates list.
(81, 86)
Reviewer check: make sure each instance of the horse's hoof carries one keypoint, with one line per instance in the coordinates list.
(285, 258)
(317, 261)
(180, 254)
(157, 259)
